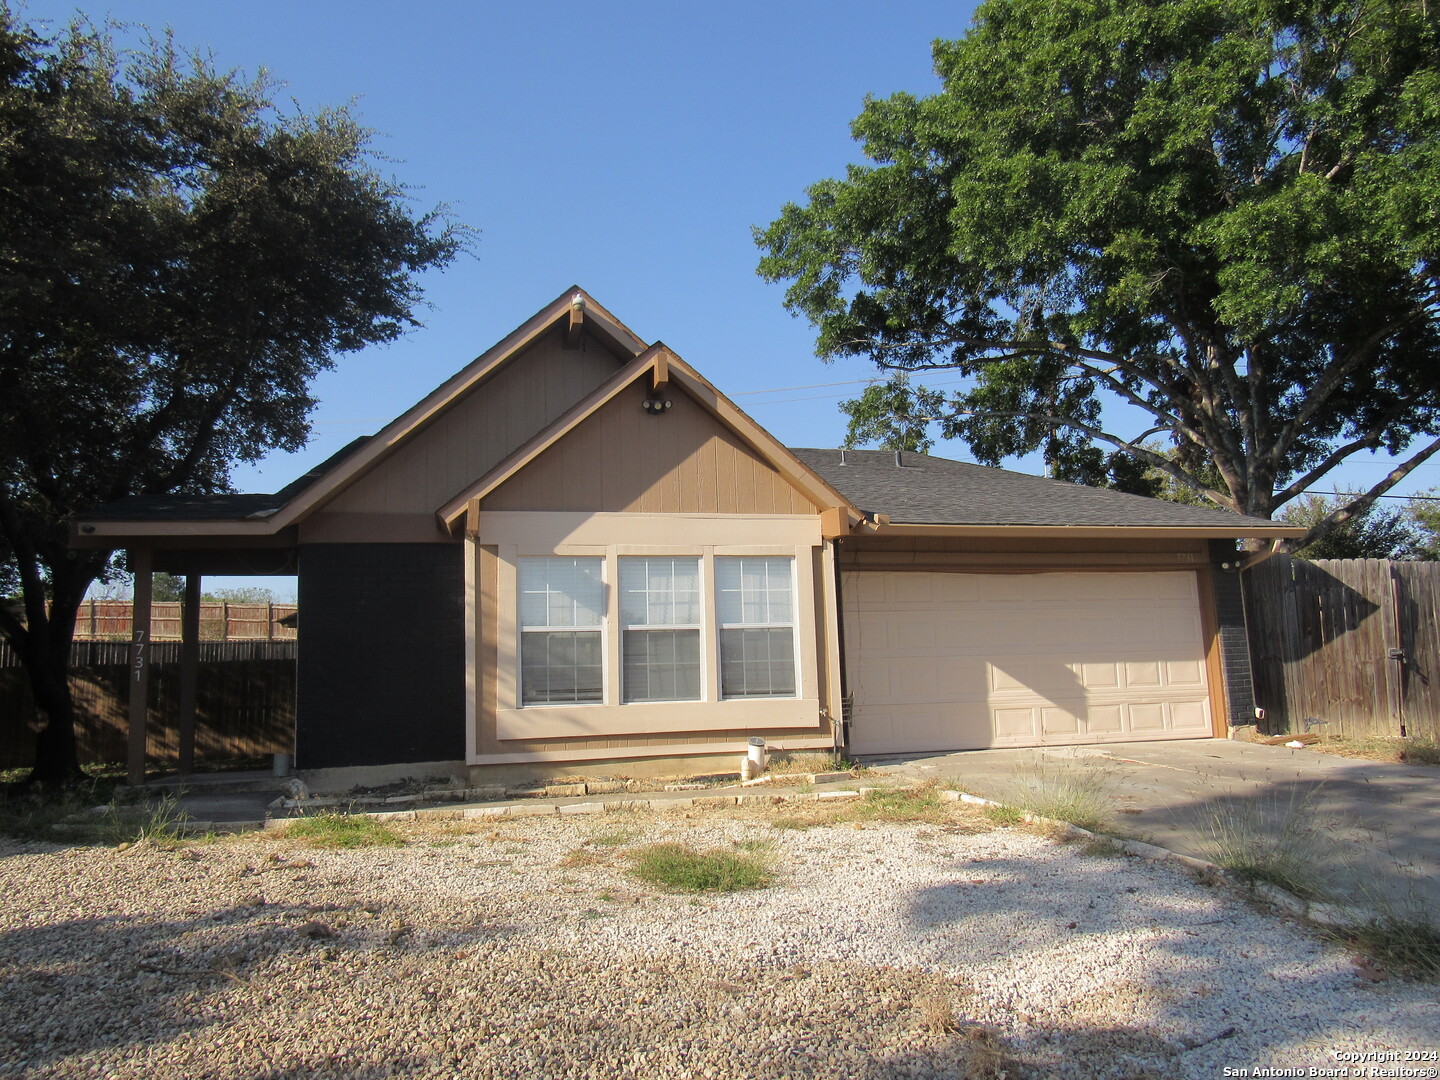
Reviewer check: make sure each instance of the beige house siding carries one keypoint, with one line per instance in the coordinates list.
(623, 460)
(476, 433)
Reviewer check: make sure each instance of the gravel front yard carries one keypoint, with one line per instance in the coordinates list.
(525, 949)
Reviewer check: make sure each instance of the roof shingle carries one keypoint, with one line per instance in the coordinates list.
(925, 490)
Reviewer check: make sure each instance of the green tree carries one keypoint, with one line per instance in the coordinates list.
(1378, 533)
(167, 588)
(178, 258)
(1424, 512)
(894, 415)
(1221, 215)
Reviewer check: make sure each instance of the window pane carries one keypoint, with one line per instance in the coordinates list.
(661, 665)
(660, 592)
(557, 591)
(757, 663)
(754, 591)
(560, 666)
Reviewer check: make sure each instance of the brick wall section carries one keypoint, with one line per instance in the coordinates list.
(381, 673)
(1234, 640)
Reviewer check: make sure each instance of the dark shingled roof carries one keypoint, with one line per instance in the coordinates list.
(215, 507)
(924, 490)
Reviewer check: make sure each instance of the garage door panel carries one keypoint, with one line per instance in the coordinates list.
(1146, 717)
(1102, 720)
(956, 661)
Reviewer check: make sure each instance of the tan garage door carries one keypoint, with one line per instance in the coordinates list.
(944, 661)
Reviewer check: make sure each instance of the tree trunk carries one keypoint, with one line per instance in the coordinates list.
(45, 655)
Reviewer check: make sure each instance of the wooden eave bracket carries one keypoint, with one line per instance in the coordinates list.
(1255, 558)
(576, 322)
(660, 371)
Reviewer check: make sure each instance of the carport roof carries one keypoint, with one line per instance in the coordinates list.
(917, 489)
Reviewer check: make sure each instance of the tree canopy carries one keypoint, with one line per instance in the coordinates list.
(1219, 216)
(178, 258)
(1380, 532)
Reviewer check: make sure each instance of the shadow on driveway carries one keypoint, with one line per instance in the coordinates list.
(1378, 825)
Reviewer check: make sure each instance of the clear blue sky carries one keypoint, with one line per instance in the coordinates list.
(624, 147)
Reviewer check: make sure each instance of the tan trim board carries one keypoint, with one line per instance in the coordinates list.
(658, 718)
(829, 595)
(675, 750)
(1214, 662)
(472, 646)
(542, 532)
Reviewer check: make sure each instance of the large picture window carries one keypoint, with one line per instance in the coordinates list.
(562, 605)
(755, 608)
(660, 613)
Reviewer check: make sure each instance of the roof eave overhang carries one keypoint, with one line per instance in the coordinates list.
(118, 534)
(1154, 532)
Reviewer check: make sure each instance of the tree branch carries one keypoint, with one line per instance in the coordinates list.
(1131, 447)
(1341, 514)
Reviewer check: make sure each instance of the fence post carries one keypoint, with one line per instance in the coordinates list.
(270, 621)
(224, 620)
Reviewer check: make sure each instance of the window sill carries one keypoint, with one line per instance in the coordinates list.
(654, 718)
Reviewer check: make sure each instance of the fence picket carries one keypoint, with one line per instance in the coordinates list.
(1320, 639)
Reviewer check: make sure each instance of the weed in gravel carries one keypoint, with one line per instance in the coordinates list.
(1283, 843)
(937, 1015)
(684, 869)
(161, 821)
(755, 845)
(343, 831)
(1075, 794)
(612, 837)
(1101, 847)
(1001, 814)
(1408, 941)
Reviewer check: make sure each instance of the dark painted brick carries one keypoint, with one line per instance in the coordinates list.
(381, 673)
(1234, 640)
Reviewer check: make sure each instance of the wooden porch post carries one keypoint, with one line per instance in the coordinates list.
(141, 562)
(189, 671)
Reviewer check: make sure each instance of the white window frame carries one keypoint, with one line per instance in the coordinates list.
(721, 626)
(514, 534)
(603, 629)
(705, 612)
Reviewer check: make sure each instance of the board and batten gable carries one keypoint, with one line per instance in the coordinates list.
(624, 482)
(395, 499)
(623, 460)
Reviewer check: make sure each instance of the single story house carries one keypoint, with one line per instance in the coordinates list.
(577, 554)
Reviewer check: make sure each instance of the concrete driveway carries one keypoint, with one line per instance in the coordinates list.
(1377, 825)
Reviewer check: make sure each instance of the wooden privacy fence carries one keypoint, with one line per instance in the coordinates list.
(110, 620)
(245, 706)
(1353, 642)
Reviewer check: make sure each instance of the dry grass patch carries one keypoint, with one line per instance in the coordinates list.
(1073, 794)
(1412, 750)
(800, 764)
(920, 805)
